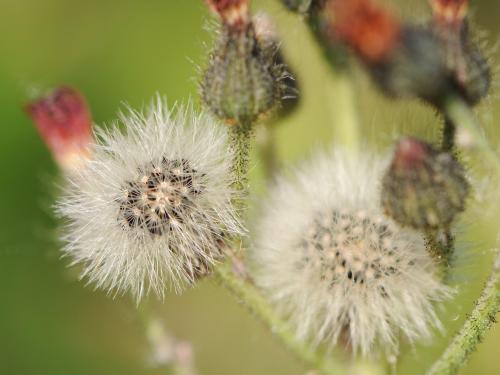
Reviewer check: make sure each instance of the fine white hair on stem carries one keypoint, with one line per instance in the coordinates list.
(341, 271)
(151, 209)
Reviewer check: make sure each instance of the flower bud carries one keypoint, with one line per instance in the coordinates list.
(243, 80)
(403, 60)
(64, 122)
(462, 56)
(423, 188)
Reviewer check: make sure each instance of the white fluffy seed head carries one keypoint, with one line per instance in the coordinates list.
(151, 209)
(337, 267)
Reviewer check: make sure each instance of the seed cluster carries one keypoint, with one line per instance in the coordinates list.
(346, 246)
(162, 195)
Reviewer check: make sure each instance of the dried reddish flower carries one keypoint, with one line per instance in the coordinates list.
(450, 11)
(64, 122)
(370, 30)
(233, 13)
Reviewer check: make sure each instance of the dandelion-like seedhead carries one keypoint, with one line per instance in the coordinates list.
(152, 207)
(337, 267)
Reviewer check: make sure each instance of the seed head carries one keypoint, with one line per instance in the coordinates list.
(337, 267)
(151, 209)
(423, 188)
(64, 122)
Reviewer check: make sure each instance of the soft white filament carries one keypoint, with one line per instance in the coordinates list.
(120, 252)
(336, 266)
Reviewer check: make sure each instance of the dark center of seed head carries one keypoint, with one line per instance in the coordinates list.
(350, 246)
(161, 196)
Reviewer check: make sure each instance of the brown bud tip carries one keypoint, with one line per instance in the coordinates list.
(410, 153)
(234, 13)
(449, 11)
(64, 122)
(370, 30)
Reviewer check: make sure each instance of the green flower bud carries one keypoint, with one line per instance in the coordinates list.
(242, 81)
(423, 188)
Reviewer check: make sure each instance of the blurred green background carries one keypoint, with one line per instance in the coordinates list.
(119, 51)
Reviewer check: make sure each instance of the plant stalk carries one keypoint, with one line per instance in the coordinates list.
(449, 131)
(460, 114)
(344, 112)
(240, 137)
(472, 332)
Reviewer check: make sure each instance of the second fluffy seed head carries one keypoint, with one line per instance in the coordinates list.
(337, 267)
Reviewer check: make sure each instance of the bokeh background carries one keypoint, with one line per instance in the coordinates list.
(119, 51)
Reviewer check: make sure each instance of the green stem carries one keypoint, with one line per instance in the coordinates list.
(341, 94)
(460, 114)
(240, 136)
(248, 295)
(449, 130)
(477, 324)
(441, 249)
(441, 246)
(344, 112)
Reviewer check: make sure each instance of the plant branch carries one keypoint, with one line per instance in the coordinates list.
(449, 130)
(460, 114)
(477, 324)
(342, 95)
(344, 111)
(249, 296)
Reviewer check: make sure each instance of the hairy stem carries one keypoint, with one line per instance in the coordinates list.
(249, 296)
(240, 136)
(449, 130)
(441, 246)
(477, 324)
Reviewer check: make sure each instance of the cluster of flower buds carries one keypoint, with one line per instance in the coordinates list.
(245, 78)
(408, 60)
(423, 187)
(463, 58)
(64, 122)
(404, 60)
